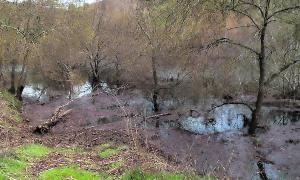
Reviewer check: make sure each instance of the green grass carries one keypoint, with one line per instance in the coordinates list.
(70, 150)
(13, 106)
(103, 146)
(33, 151)
(141, 175)
(116, 164)
(14, 166)
(11, 168)
(107, 150)
(2, 176)
(11, 100)
(69, 172)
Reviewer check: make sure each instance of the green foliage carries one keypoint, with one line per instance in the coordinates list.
(11, 168)
(33, 150)
(140, 175)
(106, 150)
(70, 172)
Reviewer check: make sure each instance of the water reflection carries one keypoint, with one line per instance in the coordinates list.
(38, 92)
(277, 116)
(234, 117)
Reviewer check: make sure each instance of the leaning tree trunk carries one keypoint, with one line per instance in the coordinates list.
(155, 88)
(12, 88)
(261, 84)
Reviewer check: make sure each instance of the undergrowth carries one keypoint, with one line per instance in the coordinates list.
(107, 150)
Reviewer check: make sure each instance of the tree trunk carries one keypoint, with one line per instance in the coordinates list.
(155, 84)
(12, 88)
(258, 106)
(2, 79)
(94, 76)
(261, 84)
(19, 92)
(95, 81)
(118, 72)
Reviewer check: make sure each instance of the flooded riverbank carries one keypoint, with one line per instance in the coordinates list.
(219, 148)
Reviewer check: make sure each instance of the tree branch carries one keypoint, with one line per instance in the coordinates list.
(281, 70)
(146, 34)
(284, 10)
(247, 15)
(226, 40)
(238, 27)
(254, 5)
(2, 25)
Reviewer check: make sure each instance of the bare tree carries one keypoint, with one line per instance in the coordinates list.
(29, 30)
(261, 14)
(158, 35)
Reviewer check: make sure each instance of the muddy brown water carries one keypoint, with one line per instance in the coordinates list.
(228, 154)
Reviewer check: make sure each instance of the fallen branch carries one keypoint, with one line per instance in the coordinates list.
(55, 118)
(158, 115)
